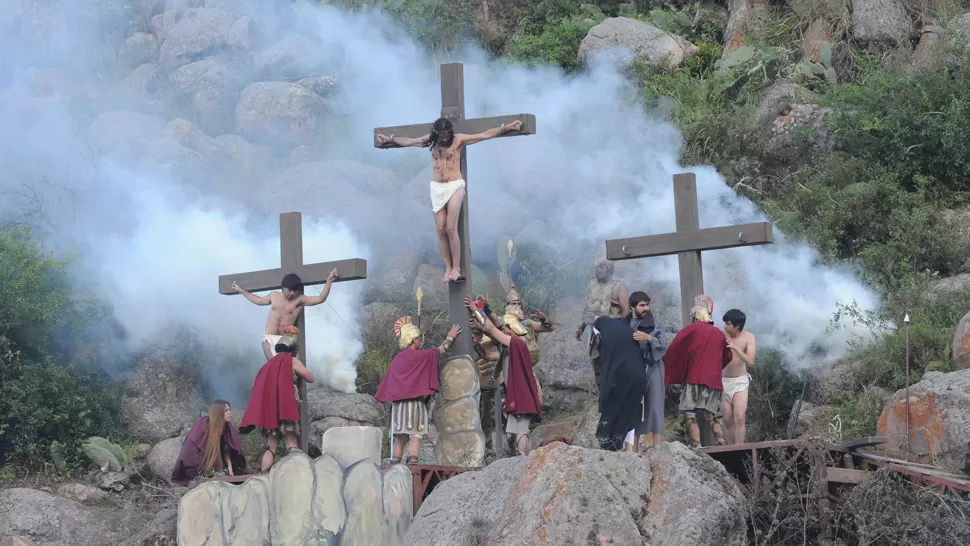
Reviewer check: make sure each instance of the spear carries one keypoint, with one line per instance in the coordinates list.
(420, 296)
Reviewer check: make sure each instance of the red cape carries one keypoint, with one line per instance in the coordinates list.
(521, 394)
(273, 399)
(413, 373)
(697, 355)
(189, 464)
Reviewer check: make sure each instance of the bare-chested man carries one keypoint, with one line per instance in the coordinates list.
(285, 307)
(735, 377)
(448, 186)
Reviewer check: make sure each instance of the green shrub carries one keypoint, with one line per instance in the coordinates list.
(50, 387)
(556, 43)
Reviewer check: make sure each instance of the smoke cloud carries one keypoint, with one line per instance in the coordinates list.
(156, 238)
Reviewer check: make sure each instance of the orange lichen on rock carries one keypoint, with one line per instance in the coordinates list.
(926, 428)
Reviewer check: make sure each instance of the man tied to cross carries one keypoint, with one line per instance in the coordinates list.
(285, 307)
(447, 185)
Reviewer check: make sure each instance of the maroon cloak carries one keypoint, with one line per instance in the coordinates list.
(273, 399)
(189, 464)
(413, 373)
(521, 394)
(697, 355)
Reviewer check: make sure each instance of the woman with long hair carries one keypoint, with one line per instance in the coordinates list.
(211, 446)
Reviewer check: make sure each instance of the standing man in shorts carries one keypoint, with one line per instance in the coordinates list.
(735, 379)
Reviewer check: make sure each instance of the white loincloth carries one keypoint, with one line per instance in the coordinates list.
(441, 192)
(273, 340)
(734, 385)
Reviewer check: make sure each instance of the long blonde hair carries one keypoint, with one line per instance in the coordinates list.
(212, 450)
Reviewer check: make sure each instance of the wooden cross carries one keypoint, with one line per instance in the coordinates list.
(453, 108)
(291, 261)
(688, 242)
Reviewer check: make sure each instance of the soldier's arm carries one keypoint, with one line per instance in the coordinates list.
(300, 370)
(543, 325)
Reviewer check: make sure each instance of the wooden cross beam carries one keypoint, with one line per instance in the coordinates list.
(453, 108)
(291, 261)
(689, 241)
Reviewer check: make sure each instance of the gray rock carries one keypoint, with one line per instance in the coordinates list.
(778, 99)
(564, 361)
(143, 79)
(561, 493)
(84, 494)
(291, 58)
(291, 496)
(115, 481)
(163, 156)
(162, 459)
(213, 86)
(348, 445)
(141, 47)
(379, 320)
(279, 113)
(161, 396)
(961, 343)
(939, 416)
(623, 39)
(200, 32)
(880, 21)
(161, 25)
(112, 129)
(48, 519)
(465, 503)
(321, 85)
(358, 407)
(747, 18)
(394, 276)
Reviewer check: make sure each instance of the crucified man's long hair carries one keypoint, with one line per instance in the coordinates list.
(212, 451)
(442, 133)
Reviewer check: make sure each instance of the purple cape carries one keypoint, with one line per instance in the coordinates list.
(189, 464)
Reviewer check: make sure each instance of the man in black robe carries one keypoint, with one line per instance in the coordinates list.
(623, 379)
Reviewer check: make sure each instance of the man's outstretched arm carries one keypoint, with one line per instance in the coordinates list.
(310, 301)
(258, 300)
(403, 141)
(478, 317)
(486, 135)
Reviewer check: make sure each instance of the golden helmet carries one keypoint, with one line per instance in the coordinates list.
(405, 332)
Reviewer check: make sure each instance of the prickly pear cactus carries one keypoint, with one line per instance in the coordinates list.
(105, 454)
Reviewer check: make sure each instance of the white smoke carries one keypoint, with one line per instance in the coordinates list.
(599, 167)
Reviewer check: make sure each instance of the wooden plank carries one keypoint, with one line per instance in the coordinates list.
(844, 475)
(467, 126)
(311, 274)
(687, 219)
(291, 255)
(757, 233)
(453, 106)
(862, 442)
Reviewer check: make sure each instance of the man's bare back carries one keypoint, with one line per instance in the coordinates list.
(743, 342)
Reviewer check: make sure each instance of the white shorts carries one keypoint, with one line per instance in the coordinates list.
(734, 385)
(441, 192)
(273, 340)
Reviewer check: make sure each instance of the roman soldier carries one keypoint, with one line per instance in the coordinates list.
(606, 296)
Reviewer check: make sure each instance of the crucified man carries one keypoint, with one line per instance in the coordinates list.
(447, 185)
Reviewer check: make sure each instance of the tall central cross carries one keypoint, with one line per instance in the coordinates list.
(453, 108)
(688, 242)
(291, 261)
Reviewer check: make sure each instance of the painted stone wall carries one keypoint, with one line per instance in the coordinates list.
(342, 497)
(461, 441)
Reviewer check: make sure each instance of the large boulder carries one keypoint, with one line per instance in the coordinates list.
(328, 409)
(161, 461)
(961, 343)
(112, 129)
(623, 40)
(213, 86)
(49, 519)
(201, 32)
(883, 21)
(564, 363)
(279, 113)
(747, 18)
(160, 397)
(393, 276)
(562, 494)
(939, 416)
